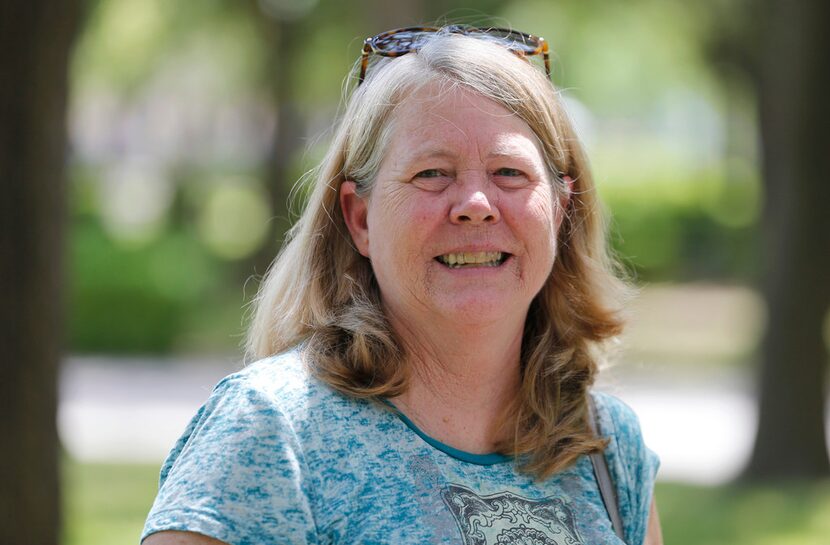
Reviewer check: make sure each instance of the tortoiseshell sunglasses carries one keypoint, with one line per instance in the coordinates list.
(399, 42)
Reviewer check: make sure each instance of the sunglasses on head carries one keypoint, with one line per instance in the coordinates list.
(398, 42)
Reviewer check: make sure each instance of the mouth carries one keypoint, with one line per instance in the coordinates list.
(461, 260)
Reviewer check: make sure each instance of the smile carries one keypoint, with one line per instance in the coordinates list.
(473, 259)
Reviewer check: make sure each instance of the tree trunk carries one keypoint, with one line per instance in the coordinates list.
(35, 38)
(795, 119)
(285, 42)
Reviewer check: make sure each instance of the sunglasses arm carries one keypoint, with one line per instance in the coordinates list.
(364, 61)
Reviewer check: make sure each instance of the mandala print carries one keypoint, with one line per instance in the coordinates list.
(508, 519)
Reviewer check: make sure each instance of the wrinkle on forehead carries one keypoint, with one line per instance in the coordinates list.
(506, 146)
(417, 119)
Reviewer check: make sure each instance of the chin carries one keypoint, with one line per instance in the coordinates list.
(479, 310)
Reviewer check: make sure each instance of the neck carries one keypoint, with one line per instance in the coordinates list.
(463, 379)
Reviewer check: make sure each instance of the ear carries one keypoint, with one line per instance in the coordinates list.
(355, 213)
(564, 200)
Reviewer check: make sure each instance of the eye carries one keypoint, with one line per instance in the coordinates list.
(429, 173)
(432, 179)
(507, 171)
(510, 178)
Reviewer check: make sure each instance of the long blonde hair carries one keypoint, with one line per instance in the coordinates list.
(321, 293)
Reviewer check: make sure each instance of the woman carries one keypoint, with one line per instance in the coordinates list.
(428, 336)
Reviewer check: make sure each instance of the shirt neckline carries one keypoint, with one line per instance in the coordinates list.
(489, 459)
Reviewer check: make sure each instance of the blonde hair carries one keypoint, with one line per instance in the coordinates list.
(321, 293)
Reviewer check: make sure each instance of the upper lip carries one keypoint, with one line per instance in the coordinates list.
(473, 249)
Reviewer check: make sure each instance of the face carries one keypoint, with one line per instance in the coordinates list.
(461, 222)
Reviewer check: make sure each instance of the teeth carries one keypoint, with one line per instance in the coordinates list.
(488, 259)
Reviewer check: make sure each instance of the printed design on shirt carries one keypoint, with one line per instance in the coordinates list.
(508, 519)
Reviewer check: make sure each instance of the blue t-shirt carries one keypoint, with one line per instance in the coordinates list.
(276, 456)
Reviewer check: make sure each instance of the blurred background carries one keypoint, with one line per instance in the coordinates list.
(133, 245)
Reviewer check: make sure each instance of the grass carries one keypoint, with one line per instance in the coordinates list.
(106, 505)
(783, 514)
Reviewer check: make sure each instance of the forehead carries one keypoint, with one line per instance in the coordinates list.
(435, 119)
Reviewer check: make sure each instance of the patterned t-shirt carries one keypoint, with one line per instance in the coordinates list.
(275, 456)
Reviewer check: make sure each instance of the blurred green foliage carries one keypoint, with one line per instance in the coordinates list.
(125, 43)
(106, 505)
(166, 294)
(128, 299)
(684, 229)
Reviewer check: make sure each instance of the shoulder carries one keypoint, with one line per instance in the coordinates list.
(240, 472)
(633, 466)
(272, 403)
(273, 377)
(618, 422)
(280, 383)
(280, 394)
(615, 417)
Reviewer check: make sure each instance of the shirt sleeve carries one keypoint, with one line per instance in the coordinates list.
(237, 474)
(632, 465)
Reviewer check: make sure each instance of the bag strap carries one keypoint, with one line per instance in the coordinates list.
(603, 476)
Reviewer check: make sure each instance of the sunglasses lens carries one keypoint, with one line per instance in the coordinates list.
(514, 40)
(401, 41)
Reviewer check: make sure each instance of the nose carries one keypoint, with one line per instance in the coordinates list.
(473, 205)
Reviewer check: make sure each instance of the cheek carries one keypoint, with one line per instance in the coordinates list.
(540, 221)
(395, 222)
(410, 204)
(545, 214)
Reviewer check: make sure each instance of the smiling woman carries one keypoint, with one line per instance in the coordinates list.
(428, 338)
(466, 180)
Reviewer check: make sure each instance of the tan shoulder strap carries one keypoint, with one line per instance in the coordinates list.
(603, 476)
